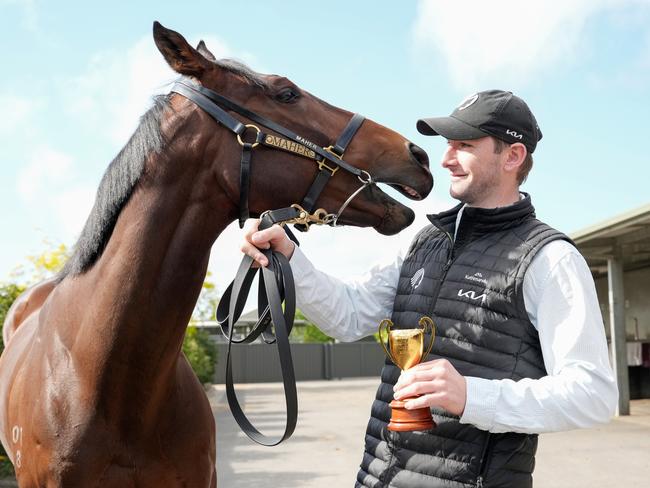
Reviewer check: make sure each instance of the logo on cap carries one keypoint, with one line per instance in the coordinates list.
(467, 102)
(513, 133)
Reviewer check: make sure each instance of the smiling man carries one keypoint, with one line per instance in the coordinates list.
(520, 346)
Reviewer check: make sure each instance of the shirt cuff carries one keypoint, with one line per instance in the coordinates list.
(481, 402)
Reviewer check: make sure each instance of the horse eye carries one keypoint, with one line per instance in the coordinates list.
(287, 95)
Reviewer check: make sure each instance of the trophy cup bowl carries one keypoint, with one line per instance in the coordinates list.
(406, 349)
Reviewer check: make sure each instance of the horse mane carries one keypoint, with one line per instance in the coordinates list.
(115, 189)
(122, 175)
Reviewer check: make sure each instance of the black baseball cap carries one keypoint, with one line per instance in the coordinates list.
(494, 113)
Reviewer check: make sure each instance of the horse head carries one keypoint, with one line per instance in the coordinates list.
(281, 178)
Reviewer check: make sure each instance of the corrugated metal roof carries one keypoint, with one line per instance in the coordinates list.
(626, 235)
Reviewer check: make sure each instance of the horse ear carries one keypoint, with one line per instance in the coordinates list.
(203, 49)
(182, 57)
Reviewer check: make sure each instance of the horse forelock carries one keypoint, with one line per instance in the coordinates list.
(239, 68)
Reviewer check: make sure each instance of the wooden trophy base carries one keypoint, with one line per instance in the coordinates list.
(403, 420)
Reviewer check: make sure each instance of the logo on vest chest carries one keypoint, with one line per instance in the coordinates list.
(478, 277)
(471, 294)
(416, 280)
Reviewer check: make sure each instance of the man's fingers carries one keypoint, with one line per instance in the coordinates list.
(260, 260)
(420, 388)
(264, 238)
(253, 252)
(428, 364)
(250, 227)
(409, 377)
(272, 238)
(432, 399)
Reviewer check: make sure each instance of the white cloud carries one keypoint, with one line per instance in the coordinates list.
(18, 112)
(507, 41)
(45, 169)
(117, 87)
(48, 186)
(71, 207)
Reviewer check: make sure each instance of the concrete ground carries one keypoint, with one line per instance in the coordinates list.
(326, 448)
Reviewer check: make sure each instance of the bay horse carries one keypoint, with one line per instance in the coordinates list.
(94, 388)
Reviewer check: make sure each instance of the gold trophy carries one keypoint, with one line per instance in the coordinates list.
(406, 349)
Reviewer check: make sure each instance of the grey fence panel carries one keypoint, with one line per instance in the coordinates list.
(308, 361)
(357, 359)
(259, 363)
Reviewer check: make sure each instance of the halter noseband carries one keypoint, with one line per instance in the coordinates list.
(329, 159)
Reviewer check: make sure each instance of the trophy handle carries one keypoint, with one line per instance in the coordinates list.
(385, 324)
(424, 323)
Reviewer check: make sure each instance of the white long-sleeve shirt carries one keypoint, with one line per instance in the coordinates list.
(560, 297)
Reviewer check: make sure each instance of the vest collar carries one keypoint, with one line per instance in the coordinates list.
(484, 220)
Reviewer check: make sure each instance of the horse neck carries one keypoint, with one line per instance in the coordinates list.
(140, 294)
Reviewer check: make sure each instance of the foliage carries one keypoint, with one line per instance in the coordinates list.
(8, 293)
(310, 333)
(201, 352)
(42, 266)
(6, 468)
(206, 305)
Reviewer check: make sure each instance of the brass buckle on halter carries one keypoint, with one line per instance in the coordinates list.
(257, 135)
(322, 164)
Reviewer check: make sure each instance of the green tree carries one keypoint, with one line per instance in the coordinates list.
(201, 352)
(206, 305)
(41, 266)
(8, 293)
(310, 332)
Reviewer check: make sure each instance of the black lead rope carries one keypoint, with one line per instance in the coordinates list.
(276, 286)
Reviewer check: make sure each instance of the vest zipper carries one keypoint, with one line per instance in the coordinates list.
(445, 268)
(450, 257)
(483, 465)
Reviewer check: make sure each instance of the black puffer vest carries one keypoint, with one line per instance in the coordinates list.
(473, 289)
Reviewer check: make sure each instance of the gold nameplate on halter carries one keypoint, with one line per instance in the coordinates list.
(290, 146)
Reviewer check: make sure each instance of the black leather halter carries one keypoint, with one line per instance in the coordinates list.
(276, 284)
(212, 103)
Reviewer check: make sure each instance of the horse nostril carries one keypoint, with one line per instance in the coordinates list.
(419, 154)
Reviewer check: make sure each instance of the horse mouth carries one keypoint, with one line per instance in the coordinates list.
(381, 211)
(398, 216)
(407, 191)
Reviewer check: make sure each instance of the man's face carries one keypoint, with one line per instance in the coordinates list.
(475, 171)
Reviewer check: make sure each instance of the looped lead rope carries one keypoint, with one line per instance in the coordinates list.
(276, 286)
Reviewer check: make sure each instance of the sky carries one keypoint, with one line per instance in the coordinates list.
(76, 78)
